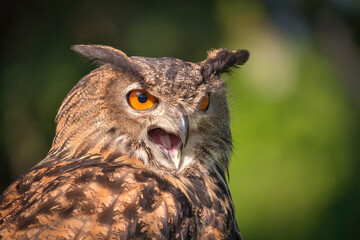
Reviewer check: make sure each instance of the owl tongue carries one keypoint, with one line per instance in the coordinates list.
(168, 141)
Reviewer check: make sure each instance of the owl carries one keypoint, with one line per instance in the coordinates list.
(141, 151)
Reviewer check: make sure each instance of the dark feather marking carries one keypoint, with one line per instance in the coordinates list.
(85, 177)
(138, 230)
(61, 152)
(2, 196)
(88, 208)
(166, 231)
(143, 176)
(9, 204)
(54, 184)
(187, 231)
(107, 169)
(25, 201)
(23, 187)
(46, 206)
(149, 195)
(221, 184)
(117, 185)
(130, 211)
(55, 171)
(129, 146)
(106, 216)
(223, 187)
(164, 185)
(110, 168)
(75, 194)
(111, 130)
(182, 203)
(84, 148)
(67, 213)
(86, 162)
(113, 156)
(24, 222)
(75, 164)
(220, 195)
(191, 193)
(201, 191)
(37, 178)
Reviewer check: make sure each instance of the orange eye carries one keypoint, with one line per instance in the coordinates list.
(141, 100)
(205, 102)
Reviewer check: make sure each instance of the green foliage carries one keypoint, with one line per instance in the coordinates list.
(293, 157)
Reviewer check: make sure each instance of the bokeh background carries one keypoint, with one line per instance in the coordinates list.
(295, 171)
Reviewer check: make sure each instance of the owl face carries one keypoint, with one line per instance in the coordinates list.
(164, 111)
(173, 111)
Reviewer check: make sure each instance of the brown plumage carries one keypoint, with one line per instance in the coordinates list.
(151, 166)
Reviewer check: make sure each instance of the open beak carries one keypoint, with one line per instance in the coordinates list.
(172, 144)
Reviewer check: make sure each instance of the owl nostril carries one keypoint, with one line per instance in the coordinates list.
(167, 140)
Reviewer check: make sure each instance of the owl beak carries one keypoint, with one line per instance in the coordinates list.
(172, 145)
(184, 134)
(184, 129)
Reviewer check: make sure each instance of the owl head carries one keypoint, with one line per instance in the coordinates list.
(169, 114)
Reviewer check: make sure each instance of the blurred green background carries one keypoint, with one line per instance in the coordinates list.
(295, 105)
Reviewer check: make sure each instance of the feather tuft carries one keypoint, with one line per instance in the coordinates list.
(221, 60)
(105, 54)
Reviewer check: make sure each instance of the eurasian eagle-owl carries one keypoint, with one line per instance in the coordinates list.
(141, 151)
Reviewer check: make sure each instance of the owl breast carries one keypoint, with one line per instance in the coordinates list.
(114, 199)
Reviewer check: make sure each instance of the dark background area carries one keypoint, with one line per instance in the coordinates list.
(294, 105)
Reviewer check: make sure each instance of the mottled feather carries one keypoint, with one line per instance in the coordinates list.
(104, 178)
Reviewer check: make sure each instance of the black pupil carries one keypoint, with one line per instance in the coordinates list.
(142, 98)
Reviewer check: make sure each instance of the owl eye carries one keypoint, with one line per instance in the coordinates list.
(141, 100)
(205, 102)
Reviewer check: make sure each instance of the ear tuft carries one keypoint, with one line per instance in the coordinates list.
(105, 54)
(221, 60)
